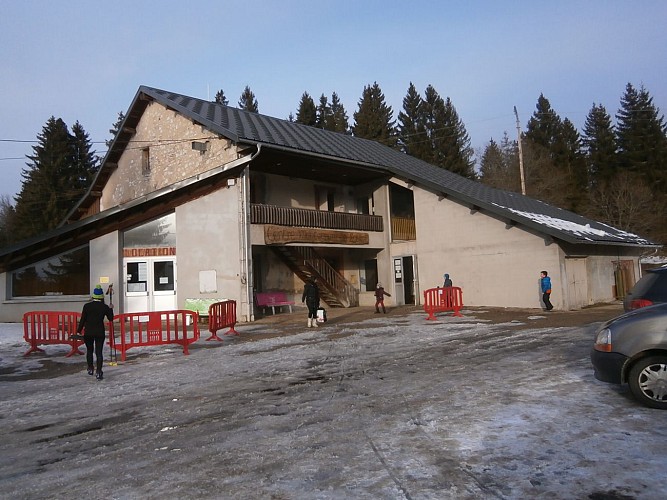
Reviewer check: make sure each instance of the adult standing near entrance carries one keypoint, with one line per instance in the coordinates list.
(545, 285)
(311, 296)
(92, 324)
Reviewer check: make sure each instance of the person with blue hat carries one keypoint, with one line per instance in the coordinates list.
(92, 325)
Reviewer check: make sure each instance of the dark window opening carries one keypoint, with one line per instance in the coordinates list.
(371, 271)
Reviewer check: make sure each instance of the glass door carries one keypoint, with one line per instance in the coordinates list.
(150, 284)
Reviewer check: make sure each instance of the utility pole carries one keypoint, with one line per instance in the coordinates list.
(518, 131)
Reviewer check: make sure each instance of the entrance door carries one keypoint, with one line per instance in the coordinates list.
(404, 280)
(150, 284)
(577, 283)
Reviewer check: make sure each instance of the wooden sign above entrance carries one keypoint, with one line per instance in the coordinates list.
(149, 252)
(280, 235)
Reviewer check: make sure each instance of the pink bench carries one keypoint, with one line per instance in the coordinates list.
(273, 300)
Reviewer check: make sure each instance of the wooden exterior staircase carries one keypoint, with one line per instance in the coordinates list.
(307, 264)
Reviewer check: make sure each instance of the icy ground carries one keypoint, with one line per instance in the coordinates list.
(391, 407)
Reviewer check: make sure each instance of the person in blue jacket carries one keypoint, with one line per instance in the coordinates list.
(545, 284)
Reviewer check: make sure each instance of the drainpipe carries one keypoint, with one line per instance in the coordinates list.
(246, 277)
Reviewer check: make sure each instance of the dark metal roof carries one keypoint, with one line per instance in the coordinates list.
(253, 128)
(339, 157)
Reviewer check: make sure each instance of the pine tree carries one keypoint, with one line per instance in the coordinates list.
(412, 137)
(324, 114)
(248, 102)
(6, 215)
(499, 165)
(220, 98)
(115, 128)
(574, 161)
(338, 121)
(59, 172)
(373, 120)
(599, 141)
(84, 164)
(545, 126)
(307, 113)
(642, 138)
(448, 139)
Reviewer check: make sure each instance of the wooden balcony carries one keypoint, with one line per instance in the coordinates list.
(403, 229)
(300, 217)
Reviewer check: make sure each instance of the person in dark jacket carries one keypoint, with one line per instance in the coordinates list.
(311, 296)
(448, 281)
(379, 298)
(545, 285)
(92, 324)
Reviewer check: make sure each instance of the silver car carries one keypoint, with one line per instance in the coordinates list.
(632, 349)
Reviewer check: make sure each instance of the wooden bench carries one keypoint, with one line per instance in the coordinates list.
(273, 300)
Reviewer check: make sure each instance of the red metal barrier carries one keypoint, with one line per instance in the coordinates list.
(222, 315)
(442, 300)
(51, 327)
(156, 328)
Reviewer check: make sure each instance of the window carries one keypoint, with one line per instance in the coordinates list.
(324, 198)
(64, 274)
(145, 161)
(156, 233)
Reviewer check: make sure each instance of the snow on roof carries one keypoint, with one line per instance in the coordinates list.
(584, 231)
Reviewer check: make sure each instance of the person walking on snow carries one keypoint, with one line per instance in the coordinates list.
(545, 284)
(379, 298)
(311, 296)
(92, 324)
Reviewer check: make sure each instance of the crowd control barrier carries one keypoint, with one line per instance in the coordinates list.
(443, 299)
(156, 328)
(222, 315)
(50, 327)
(53, 327)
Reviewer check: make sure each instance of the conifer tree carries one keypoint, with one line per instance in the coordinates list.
(339, 119)
(448, 139)
(374, 118)
(6, 215)
(248, 102)
(115, 128)
(642, 138)
(220, 98)
(307, 113)
(59, 172)
(545, 126)
(574, 162)
(324, 114)
(499, 165)
(412, 138)
(599, 142)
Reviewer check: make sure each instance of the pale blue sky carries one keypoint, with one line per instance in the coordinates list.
(84, 60)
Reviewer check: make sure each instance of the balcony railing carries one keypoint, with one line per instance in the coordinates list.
(403, 229)
(300, 217)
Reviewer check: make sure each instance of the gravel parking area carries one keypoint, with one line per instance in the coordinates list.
(496, 404)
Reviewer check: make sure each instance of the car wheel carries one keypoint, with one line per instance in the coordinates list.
(648, 381)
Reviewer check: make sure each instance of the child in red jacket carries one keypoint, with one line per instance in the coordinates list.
(379, 298)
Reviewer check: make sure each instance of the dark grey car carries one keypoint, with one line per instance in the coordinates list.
(650, 289)
(632, 349)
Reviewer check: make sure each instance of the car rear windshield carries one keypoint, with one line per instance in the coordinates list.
(652, 286)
